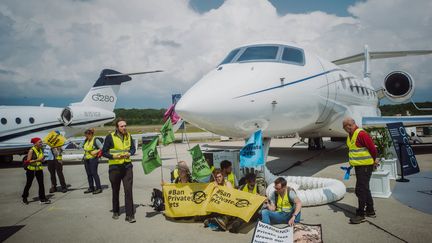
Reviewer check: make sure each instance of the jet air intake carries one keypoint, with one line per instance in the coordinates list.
(82, 116)
(399, 86)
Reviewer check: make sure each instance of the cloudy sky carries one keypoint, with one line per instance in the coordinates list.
(52, 51)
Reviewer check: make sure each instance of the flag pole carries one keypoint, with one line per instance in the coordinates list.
(185, 134)
(160, 152)
(175, 149)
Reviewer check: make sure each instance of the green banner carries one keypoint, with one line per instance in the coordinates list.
(200, 168)
(167, 133)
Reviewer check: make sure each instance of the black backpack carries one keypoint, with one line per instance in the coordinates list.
(157, 200)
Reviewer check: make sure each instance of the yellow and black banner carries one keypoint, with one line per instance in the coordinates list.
(54, 139)
(193, 199)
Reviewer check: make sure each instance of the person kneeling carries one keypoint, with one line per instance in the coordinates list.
(283, 206)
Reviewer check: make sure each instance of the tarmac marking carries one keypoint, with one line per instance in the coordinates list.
(377, 226)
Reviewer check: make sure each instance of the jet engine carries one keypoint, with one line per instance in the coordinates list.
(398, 86)
(84, 116)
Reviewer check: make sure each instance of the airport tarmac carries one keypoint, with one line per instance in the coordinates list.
(78, 217)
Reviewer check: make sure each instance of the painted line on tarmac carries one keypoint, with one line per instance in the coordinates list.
(377, 226)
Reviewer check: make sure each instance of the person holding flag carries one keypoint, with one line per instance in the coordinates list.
(118, 148)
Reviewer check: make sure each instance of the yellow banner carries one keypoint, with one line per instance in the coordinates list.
(234, 202)
(54, 139)
(193, 199)
(187, 199)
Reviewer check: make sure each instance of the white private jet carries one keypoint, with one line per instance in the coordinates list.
(282, 88)
(19, 123)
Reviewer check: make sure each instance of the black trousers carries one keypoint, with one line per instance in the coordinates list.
(53, 167)
(362, 191)
(117, 174)
(30, 174)
(91, 167)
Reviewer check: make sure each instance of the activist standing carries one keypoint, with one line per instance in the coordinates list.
(226, 167)
(118, 148)
(33, 167)
(283, 206)
(363, 157)
(92, 148)
(53, 157)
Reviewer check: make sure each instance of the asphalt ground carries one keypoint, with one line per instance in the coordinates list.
(78, 217)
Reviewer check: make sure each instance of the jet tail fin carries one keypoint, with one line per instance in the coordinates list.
(104, 92)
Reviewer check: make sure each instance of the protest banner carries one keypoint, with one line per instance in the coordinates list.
(265, 233)
(252, 154)
(54, 139)
(187, 199)
(234, 202)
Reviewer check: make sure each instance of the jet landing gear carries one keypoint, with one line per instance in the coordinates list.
(315, 143)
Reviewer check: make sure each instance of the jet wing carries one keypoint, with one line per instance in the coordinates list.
(381, 121)
(379, 55)
(14, 148)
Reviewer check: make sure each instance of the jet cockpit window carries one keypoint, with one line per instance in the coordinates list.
(293, 55)
(230, 56)
(259, 53)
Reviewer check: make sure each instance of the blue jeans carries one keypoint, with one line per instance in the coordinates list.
(273, 217)
(91, 166)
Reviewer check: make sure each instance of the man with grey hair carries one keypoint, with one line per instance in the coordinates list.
(363, 157)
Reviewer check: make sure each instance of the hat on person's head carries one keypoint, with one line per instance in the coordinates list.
(181, 165)
(35, 140)
(90, 130)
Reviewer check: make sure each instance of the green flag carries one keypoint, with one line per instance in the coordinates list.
(167, 133)
(151, 159)
(200, 168)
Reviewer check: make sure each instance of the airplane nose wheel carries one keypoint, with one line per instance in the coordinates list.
(315, 143)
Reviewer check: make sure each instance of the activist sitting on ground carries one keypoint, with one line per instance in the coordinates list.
(183, 173)
(219, 179)
(226, 168)
(283, 205)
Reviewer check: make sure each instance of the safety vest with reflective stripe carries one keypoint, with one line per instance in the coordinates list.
(231, 178)
(120, 147)
(36, 165)
(358, 156)
(88, 148)
(246, 189)
(283, 204)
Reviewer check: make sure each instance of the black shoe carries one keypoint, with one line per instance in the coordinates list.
(45, 201)
(25, 201)
(115, 216)
(52, 189)
(88, 191)
(370, 214)
(357, 219)
(130, 219)
(97, 191)
(64, 189)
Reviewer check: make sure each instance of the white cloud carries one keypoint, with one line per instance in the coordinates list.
(56, 48)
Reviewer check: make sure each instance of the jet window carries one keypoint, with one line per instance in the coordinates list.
(259, 53)
(351, 85)
(363, 91)
(293, 55)
(18, 120)
(3, 121)
(342, 79)
(31, 120)
(230, 56)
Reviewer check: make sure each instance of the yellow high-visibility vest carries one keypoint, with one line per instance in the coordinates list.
(358, 155)
(231, 178)
(283, 203)
(36, 165)
(88, 148)
(246, 189)
(120, 147)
